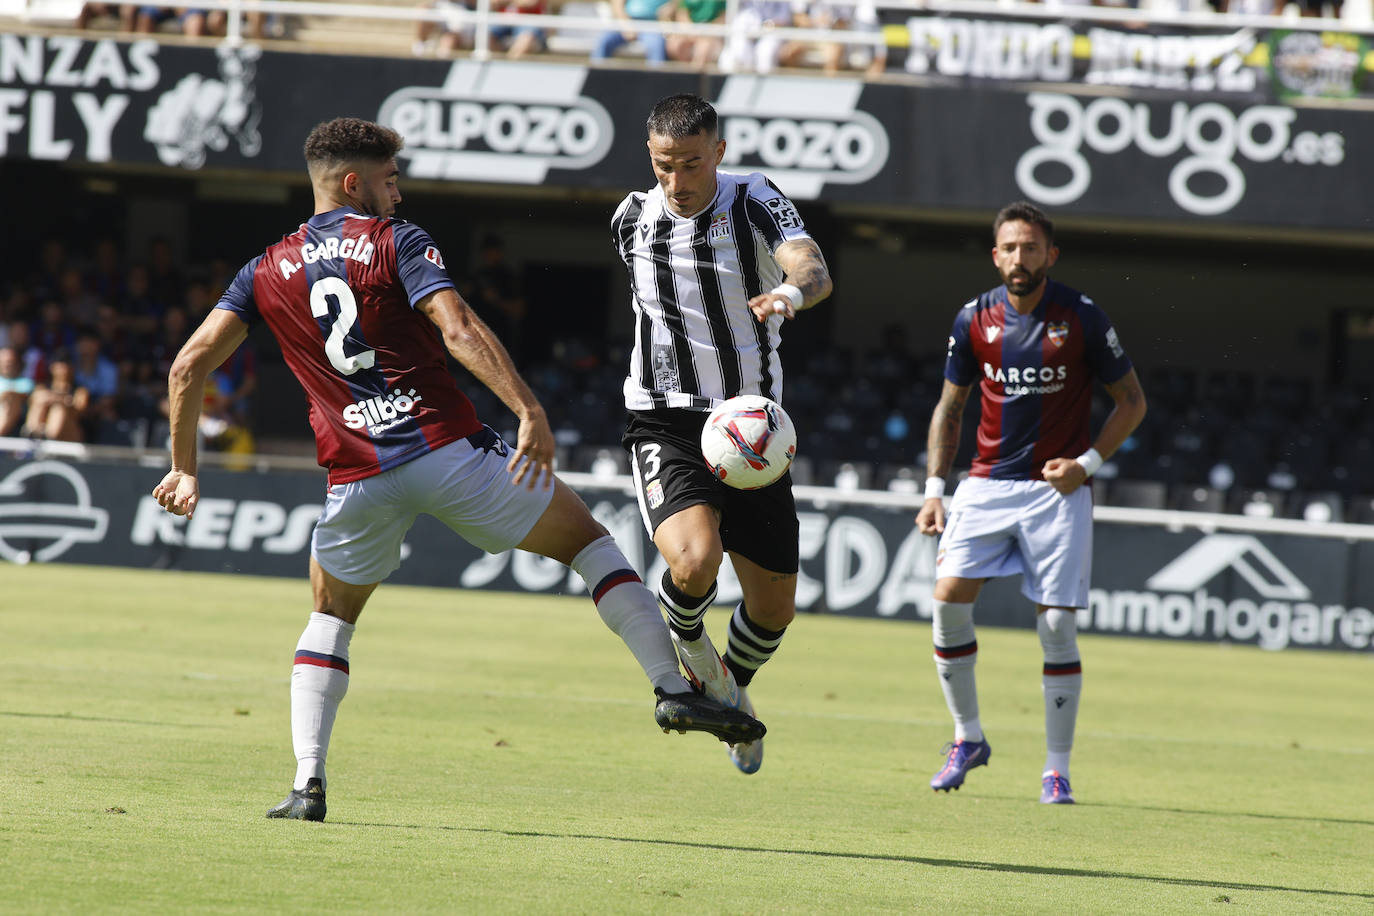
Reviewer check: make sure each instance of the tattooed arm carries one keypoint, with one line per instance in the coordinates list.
(804, 267)
(941, 445)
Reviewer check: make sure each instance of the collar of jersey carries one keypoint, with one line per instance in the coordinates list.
(695, 216)
(333, 216)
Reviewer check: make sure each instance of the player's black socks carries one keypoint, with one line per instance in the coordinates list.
(684, 611)
(749, 646)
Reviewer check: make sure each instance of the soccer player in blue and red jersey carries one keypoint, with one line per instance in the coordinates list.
(363, 310)
(1035, 347)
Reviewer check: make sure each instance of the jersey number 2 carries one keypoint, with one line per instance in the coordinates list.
(321, 292)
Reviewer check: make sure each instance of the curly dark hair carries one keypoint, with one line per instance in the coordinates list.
(350, 140)
(681, 116)
(1026, 212)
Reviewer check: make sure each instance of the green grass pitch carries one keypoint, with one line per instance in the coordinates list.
(497, 754)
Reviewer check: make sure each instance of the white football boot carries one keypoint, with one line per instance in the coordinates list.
(708, 673)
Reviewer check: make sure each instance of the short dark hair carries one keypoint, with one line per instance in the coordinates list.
(345, 140)
(684, 115)
(1025, 212)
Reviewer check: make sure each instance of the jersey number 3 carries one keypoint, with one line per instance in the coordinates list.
(321, 292)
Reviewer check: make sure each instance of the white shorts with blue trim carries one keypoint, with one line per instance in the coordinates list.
(464, 484)
(1004, 527)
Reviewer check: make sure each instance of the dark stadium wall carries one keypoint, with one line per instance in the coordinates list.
(1260, 305)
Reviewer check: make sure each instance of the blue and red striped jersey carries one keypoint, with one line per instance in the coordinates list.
(1036, 375)
(339, 295)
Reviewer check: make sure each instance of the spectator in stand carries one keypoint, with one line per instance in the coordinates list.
(126, 13)
(519, 41)
(56, 408)
(752, 45)
(698, 50)
(140, 312)
(46, 282)
(235, 381)
(15, 389)
(166, 284)
(52, 331)
(629, 11)
(80, 306)
(106, 277)
(859, 16)
(33, 361)
(194, 23)
(453, 33)
(98, 375)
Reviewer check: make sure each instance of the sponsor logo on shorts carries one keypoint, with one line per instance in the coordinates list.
(378, 414)
(653, 494)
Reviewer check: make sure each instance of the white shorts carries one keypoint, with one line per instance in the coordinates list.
(1004, 527)
(463, 484)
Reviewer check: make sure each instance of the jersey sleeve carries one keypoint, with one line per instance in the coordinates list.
(238, 298)
(961, 368)
(772, 214)
(623, 223)
(418, 262)
(1105, 355)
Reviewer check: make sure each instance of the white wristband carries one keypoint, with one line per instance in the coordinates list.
(1090, 460)
(935, 488)
(791, 293)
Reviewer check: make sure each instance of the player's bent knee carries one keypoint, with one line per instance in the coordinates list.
(566, 527)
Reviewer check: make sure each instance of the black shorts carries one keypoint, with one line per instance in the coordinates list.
(670, 475)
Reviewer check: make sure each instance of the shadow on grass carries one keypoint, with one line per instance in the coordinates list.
(68, 717)
(1357, 822)
(911, 860)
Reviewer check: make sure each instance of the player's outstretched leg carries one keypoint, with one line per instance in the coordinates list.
(692, 711)
(302, 804)
(630, 611)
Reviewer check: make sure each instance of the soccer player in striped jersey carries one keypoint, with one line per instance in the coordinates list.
(364, 310)
(717, 262)
(1035, 347)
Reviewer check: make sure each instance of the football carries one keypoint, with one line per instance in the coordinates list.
(748, 442)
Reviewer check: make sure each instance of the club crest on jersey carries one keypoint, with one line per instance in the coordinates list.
(653, 493)
(1057, 332)
(720, 228)
(432, 256)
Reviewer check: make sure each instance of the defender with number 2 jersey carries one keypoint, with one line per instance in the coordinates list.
(1036, 373)
(339, 295)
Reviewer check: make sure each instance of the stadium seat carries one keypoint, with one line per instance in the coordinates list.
(1317, 507)
(1257, 502)
(1361, 511)
(1139, 494)
(1190, 498)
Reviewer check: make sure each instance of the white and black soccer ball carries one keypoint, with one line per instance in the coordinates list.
(748, 442)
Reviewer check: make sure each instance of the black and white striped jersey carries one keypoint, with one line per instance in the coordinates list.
(691, 279)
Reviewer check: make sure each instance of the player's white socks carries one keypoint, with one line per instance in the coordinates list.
(956, 653)
(631, 612)
(1062, 683)
(319, 680)
(684, 611)
(748, 646)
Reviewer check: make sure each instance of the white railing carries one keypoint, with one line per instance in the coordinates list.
(1172, 519)
(1357, 18)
